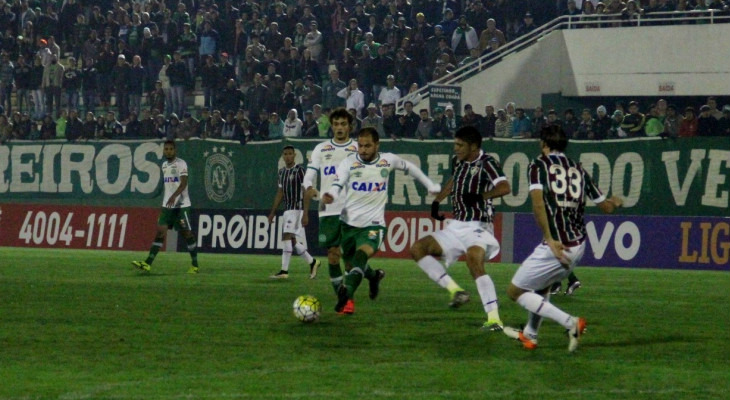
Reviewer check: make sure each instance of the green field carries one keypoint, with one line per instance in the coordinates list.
(86, 325)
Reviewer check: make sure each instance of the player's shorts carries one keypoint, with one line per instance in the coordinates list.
(353, 238)
(292, 222)
(458, 236)
(541, 268)
(329, 231)
(177, 218)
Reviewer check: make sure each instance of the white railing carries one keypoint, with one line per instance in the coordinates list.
(602, 21)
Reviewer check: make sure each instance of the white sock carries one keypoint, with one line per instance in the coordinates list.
(533, 322)
(286, 256)
(437, 273)
(488, 293)
(537, 304)
(302, 251)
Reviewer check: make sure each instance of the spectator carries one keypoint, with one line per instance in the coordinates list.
(688, 127)
(521, 125)
(330, 99)
(463, 39)
(403, 69)
(408, 121)
(353, 96)
(48, 128)
(570, 122)
(309, 125)
(634, 121)
(311, 95)
(723, 125)
(188, 48)
(390, 93)
(585, 126)
(672, 122)
(502, 125)
(36, 88)
(448, 24)
(292, 124)
(616, 120)
(137, 77)
(6, 129)
(654, 125)
(712, 103)
(490, 33)
(527, 26)
(489, 120)
(133, 128)
(470, 118)
(113, 129)
(210, 79)
(539, 121)
(382, 65)
(372, 119)
(74, 126)
(188, 127)
(231, 128)
(425, 125)
(602, 125)
(450, 123)
(391, 125)
(121, 76)
(706, 123)
(52, 81)
(314, 41)
(88, 131)
(146, 125)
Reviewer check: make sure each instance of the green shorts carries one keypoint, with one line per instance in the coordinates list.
(178, 218)
(329, 231)
(353, 238)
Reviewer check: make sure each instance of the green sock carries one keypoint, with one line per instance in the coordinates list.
(335, 276)
(193, 250)
(369, 272)
(354, 277)
(154, 250)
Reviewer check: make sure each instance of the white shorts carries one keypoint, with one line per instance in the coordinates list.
(292, 223)
(541, 269)
(458, 236)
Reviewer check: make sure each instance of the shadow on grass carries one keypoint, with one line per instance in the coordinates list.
(644, 341)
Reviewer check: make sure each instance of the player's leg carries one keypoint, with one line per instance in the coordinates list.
(184, 226)
(573, 284)
(485, 286)
(163, 222)
(424, 252)
(300, 249)
(287, 245)
(329, 238)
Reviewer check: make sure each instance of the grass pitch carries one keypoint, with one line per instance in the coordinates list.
(86, 325)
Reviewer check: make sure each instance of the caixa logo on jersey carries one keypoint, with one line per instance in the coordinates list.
(220, 176)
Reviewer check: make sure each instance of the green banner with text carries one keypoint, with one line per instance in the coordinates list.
(655, 177)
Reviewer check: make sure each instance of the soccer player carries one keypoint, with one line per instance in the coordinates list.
(324, 161)
(364, 177)
(175, 211)
(476, 179)
(290, 191)
(558, 190)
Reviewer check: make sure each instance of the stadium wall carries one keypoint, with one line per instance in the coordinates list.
(94, 195)
(593, 62)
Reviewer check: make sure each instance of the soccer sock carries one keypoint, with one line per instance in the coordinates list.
(369, 272)
(335, 276)
(355, 275)
(286, 256)
(533, 322)
(154, 250)
(572, 278)
(438, 274)
(488, 293)
(537, 304)
(302, 251)
(193, 250)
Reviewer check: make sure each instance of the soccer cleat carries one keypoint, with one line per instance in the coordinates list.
(493, 325)
(572, 288)
(313, 268)
(193, 270)
(348, 309)
(280, 275)
(142, 265)
(375, 283)
(555, 289)
(575, 333)
(516, 334)
(458, 299)
(342, 299)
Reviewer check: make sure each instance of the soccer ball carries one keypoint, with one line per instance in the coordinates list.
(307, 308)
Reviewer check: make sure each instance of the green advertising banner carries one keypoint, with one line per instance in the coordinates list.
(655, 177)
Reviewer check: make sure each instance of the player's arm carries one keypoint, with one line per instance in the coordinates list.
(500, 189)
(277, 200)
(610, 205)
(173, 198)
(341, 179)
(445, 191)
(412, 170)
(538, 209)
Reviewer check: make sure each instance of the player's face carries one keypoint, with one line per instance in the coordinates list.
(341, 129)
(169, 152)
(367, 148)
(288, 156)
(463, 150)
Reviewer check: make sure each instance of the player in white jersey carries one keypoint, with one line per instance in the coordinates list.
(324, 160)
(364, 177)
(175, 211)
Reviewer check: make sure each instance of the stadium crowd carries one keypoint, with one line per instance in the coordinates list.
(90, 69)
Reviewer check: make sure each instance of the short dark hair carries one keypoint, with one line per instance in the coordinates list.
(369, 131)
(469, 134)
(170, 141)
(287, 147)
(554, 137)
(341, 112)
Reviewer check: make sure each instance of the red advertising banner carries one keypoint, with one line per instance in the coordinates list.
(76, 227)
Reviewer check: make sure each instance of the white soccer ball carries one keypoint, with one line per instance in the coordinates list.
(307, 308)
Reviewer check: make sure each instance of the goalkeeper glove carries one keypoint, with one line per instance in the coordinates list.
(435, 212)
(472, 199)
